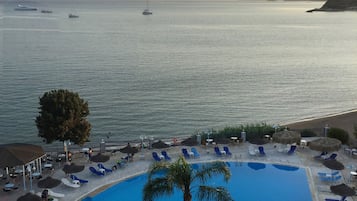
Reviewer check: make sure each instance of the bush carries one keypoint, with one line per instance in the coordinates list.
(308, 133)
(339, 134)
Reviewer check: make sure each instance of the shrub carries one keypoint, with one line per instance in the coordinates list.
(308, 133)
(339, 134)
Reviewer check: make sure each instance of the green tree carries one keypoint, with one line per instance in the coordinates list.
(62, 117)
(181, 175)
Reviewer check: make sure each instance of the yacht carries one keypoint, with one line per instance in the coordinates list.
(147, 12)
(46, 11)
(73, 16)
(24, 8)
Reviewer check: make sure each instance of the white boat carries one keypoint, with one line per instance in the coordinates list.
(73, 16)
(147, 12)
(46, 11)
(24, 8)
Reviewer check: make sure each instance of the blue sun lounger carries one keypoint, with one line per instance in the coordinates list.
(261, 151)
(156, 156)
(195, 152)
(105, 169)
(217, 151)
(292, 149)
(166, 156)
(226, 149)
(185, 153)
(96, 172)
(74, 177)
(342, 199)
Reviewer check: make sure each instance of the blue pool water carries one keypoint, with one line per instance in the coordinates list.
(249, 182)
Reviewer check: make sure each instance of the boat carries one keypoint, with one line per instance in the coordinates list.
(147, 12)
(24, 8)
(46, 11)
(73, 16)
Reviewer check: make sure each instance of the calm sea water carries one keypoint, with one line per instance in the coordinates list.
(191, 66)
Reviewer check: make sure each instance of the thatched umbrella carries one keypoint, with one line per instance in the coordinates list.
(333, 165)
(343, 190)
(48, 182)
(189, 142)
(287, 137)
(256, 166)
(325, 144)
(128, 149)
(72, 168)
(29, 197)
(258, 141)
(100, 158)
(159, 145)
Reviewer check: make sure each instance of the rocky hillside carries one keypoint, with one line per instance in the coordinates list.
(340, 5)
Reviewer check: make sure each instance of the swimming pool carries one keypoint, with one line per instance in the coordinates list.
(249, 182)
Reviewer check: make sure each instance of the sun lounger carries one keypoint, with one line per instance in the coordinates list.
(330, 178)
(69, 184)
(166, 156)
(96, 172)
(195, 152)
(324, 174)
(292, 149)
(252, 151)
(101, 166)
(46, 195)
(342, 199)
(321, 156)
(261, 151)
(156, 156)
(332, 157)
(74, 177)
(52, 194)
(217, 151)
(226, 149)
(185, 153)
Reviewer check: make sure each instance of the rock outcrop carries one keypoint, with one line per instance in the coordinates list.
(337, 5)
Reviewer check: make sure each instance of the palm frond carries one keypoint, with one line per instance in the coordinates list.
(207, 171)
(208, 193)
(157, 167)
(156, 188)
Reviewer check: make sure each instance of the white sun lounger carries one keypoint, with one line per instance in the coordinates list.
(54, 194)
(70, 184)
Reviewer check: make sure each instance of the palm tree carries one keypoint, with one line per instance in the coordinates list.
(181, 175)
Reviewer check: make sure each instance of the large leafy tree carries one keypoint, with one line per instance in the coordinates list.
(181, 175)
(62, 117)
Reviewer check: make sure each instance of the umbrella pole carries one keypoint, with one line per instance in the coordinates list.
(23, 176)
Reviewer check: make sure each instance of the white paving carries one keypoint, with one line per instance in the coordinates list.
(303, 157)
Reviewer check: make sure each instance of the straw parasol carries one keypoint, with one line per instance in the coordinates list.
(159, 145)
(256, 166)
(100, 158)
(325, 144)
(72, 168)
(128, 149)
(48, 182)
(29, 197)
(258, 141)
(343, 190)
(287, 137)
(333, 165)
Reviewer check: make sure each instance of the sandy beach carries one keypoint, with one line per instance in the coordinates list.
(345, 121)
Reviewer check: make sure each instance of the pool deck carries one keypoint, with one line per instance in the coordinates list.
(303, 157)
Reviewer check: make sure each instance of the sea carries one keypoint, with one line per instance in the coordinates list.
(190, 67)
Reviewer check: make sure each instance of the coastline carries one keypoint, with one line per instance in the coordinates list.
(344, 120)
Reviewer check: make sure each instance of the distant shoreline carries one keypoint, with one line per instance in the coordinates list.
(344, 120)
